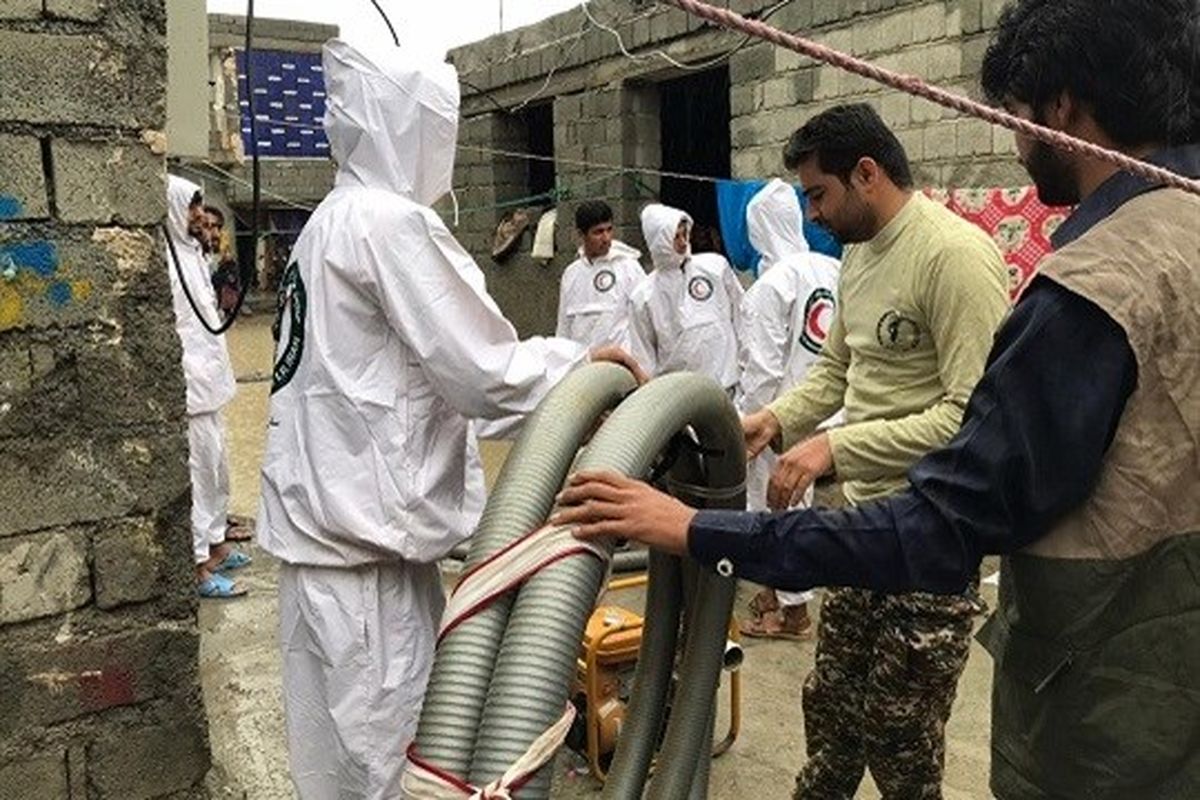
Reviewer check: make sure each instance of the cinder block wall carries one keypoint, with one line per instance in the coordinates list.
(99, 692)
(605, 104)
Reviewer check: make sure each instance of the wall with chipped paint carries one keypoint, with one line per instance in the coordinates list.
(99, 694)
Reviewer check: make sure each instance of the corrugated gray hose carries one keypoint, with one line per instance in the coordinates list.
(536, 660)
(520, 502)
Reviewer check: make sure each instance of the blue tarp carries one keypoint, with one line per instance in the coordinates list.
(732, 199)
(289, 101)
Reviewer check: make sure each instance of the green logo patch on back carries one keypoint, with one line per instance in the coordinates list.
(289, 327)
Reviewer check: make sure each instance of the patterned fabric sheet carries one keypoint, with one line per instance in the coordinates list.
(1015, 218)
(289, 102)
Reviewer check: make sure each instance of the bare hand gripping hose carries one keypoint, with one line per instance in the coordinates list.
(493, 715)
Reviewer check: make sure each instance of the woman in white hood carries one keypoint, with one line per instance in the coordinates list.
(785, 316)
(684, 314)
(388, 344)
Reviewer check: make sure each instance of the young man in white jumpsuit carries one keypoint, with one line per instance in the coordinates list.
(388, 344)
(208, 375)
(593, 297)
(785, 316)
(684, 314)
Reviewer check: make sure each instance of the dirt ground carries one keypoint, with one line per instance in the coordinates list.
(240, 665)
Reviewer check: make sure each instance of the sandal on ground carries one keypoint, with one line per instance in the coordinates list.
(235, 560)
(238, 532)
(763, 603)
(771, 626)
(218, 587)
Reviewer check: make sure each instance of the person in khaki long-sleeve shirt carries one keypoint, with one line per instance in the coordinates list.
(919, 304)
(921, 293)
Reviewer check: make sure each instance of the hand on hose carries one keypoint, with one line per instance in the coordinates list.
(605, 503)
(797, 469)
(759, 429)
(616, 355)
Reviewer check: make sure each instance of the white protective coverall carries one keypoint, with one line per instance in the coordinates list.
(785, 317)
(684, 314)
(388, 344)
(593, 298)
(207, 373)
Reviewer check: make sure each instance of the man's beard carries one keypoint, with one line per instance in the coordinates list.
(1053, 174)
(858, 225)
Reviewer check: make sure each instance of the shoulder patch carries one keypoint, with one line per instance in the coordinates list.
(819, 309)
(291, 308)
(604, 280)
(700, 288)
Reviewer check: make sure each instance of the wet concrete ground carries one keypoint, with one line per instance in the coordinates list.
(240, 665)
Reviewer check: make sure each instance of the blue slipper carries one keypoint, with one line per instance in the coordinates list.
(235, 560)
(218, 587)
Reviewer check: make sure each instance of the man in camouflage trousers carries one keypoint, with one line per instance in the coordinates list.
(922, 293)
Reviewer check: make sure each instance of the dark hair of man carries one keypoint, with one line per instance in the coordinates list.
(1135, 64)
(844, 135)
(591, 213)
(197, 199)
(216, 212)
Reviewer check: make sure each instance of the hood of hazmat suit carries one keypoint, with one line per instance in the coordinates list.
(659, 224)
(684, 314)
(387, 339)
(775, 223)
(785, 315)
(206, 367)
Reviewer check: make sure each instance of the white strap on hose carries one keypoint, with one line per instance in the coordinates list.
(421, 781)
(511, 567)
(499, 574)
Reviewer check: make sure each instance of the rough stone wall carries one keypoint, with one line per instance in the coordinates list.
(605, 104)
(99, 693)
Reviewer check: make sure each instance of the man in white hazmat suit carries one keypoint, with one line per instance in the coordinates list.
(785, 316)
(388, 344)
(208, 375)
(593, 298)
(684, 314)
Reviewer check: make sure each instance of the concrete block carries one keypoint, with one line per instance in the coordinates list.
(973, 51)
(82, 10)
(945, 61)
(941, 141)
(896, 31)
(43, 574)
(974, 137)
(40, 778)
(971, 12)
(46, 681)
(22, 182)
(928, 22)
(990, 13)
(105, 182)
(827, 83)
(796, 16)
(91, 477)
(751, 64)
(83, 80)
(1004, 141)
(127, 562)
(20, 9)
(148, 762)
(894, 109)
(913, 142)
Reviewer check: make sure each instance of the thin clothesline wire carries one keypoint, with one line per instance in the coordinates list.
(911, 84)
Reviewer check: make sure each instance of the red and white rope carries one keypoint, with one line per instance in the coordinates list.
(913, 85)
(499, 574)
